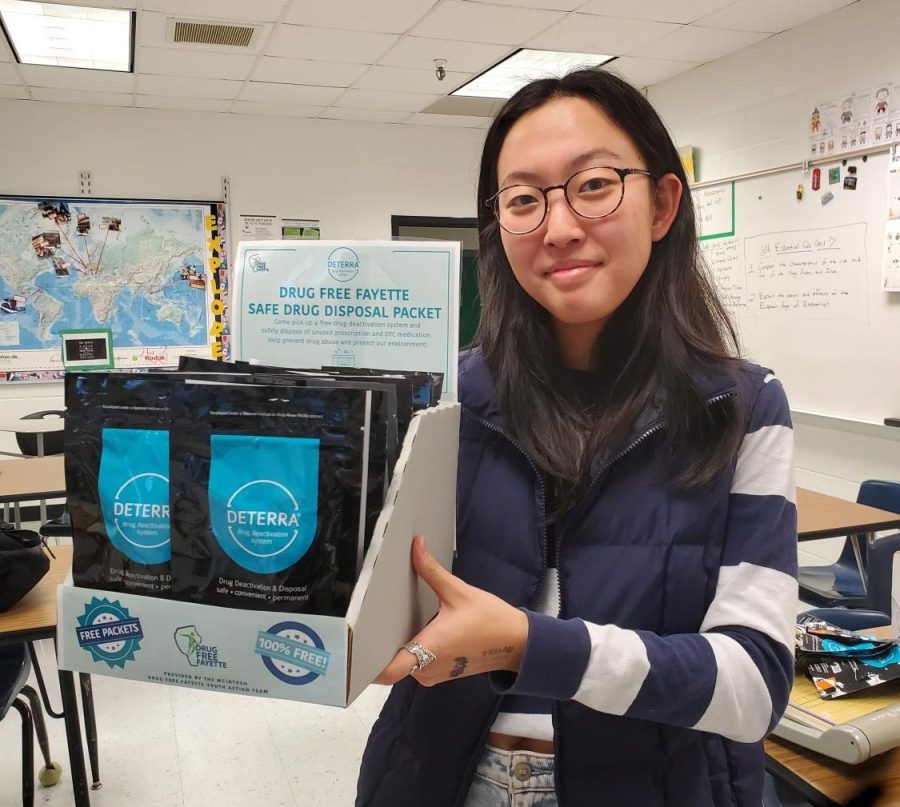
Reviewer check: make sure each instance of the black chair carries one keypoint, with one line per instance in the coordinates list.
(15, 693)
(53, 441)
(840, 583)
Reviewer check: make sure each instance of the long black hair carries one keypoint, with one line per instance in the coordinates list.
(670, 330)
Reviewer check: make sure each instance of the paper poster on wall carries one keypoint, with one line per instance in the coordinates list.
(855, 120)
(300, 229)
(823, 129)
(890, 266)
(152, 272)
(258, 228)
(391, 305)
(715, 211)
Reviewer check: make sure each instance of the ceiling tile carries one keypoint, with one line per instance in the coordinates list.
(326, 44)
(644, 72)
(550, 5)
(6, 54)
(587, 33)
(691, 43)
(257, 11)
(183, 61)
(188, 87)
(283, 110)
(376, 115)
(462, 121)
(73, 78)
(386, 16)
(126, 4)
(420, 52)
(394, 101)
(189, 104)
(770, 16)
(480, 22)
(75, 97)
(682, 11)
(298, 71)
(17, 93)
(397, 79)
(9, 74)
(289, 93)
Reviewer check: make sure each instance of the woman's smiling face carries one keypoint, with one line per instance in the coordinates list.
(581, 270)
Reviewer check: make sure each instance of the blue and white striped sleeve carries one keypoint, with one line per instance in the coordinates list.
(734, 676)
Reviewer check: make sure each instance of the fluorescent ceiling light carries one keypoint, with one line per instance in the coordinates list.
(69, 36)
(514, 72)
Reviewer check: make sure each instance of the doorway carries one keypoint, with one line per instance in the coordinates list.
(451, 229)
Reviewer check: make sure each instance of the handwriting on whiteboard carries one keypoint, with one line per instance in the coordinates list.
(714, 208)
(811, 274)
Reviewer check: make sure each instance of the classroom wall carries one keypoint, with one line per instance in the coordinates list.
(749, 111)
(351, 175)
(744, 112)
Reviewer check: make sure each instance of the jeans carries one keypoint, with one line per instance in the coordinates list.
(512, 779)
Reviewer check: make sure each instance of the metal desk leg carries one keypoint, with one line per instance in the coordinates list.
(868, 537)
(90, 728)
(73, 739)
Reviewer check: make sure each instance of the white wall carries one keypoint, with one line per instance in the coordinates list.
(352, 176)
(749, 111)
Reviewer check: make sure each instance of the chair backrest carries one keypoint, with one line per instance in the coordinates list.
(881, 494)
(879, 569)
(874, 493)
(53, 441)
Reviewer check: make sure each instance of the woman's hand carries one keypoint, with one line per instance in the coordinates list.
(473, 632)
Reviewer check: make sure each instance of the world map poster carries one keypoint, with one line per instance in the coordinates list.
(153, 273)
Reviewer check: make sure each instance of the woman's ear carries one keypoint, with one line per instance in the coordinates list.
(666, 200)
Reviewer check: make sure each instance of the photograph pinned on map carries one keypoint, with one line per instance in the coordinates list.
(61, 266)
(45, 244)
(83, 223)
(55, 211)
(110, 223)
(16, 304)
(194, 276)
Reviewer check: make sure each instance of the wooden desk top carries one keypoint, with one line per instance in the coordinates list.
(34, 616)
(32, 478)
(835, 780)
(821, 516)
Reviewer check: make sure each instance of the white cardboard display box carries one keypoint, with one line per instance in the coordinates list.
(305, 657)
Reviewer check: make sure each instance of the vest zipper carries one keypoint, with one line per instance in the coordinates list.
(627, 450)
(557, 724)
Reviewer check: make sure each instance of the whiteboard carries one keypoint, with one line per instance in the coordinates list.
(802, 281)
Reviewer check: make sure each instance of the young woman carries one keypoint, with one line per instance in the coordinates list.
(618, 626)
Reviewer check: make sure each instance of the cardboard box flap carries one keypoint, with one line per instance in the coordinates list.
(390, 603)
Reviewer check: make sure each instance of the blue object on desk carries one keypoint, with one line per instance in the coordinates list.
(840, 583)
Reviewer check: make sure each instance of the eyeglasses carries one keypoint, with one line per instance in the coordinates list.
(593, 193)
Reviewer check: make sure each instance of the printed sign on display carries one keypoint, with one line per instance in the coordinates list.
(355, 304)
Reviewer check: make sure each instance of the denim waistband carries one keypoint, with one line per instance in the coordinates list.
(517, 770)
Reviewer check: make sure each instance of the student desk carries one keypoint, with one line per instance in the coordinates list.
(31, 479)
(822, 516)
(33, 618)
(826, 782)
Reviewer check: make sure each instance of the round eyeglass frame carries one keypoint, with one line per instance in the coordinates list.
(622, 172)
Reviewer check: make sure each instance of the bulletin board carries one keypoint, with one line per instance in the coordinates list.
(152, 273)
(803, 282)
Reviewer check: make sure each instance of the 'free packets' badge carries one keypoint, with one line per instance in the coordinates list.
(109, 633)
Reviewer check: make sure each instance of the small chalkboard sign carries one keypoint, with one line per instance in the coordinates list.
(87, 349)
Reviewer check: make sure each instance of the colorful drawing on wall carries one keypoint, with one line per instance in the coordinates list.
(152, 272)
